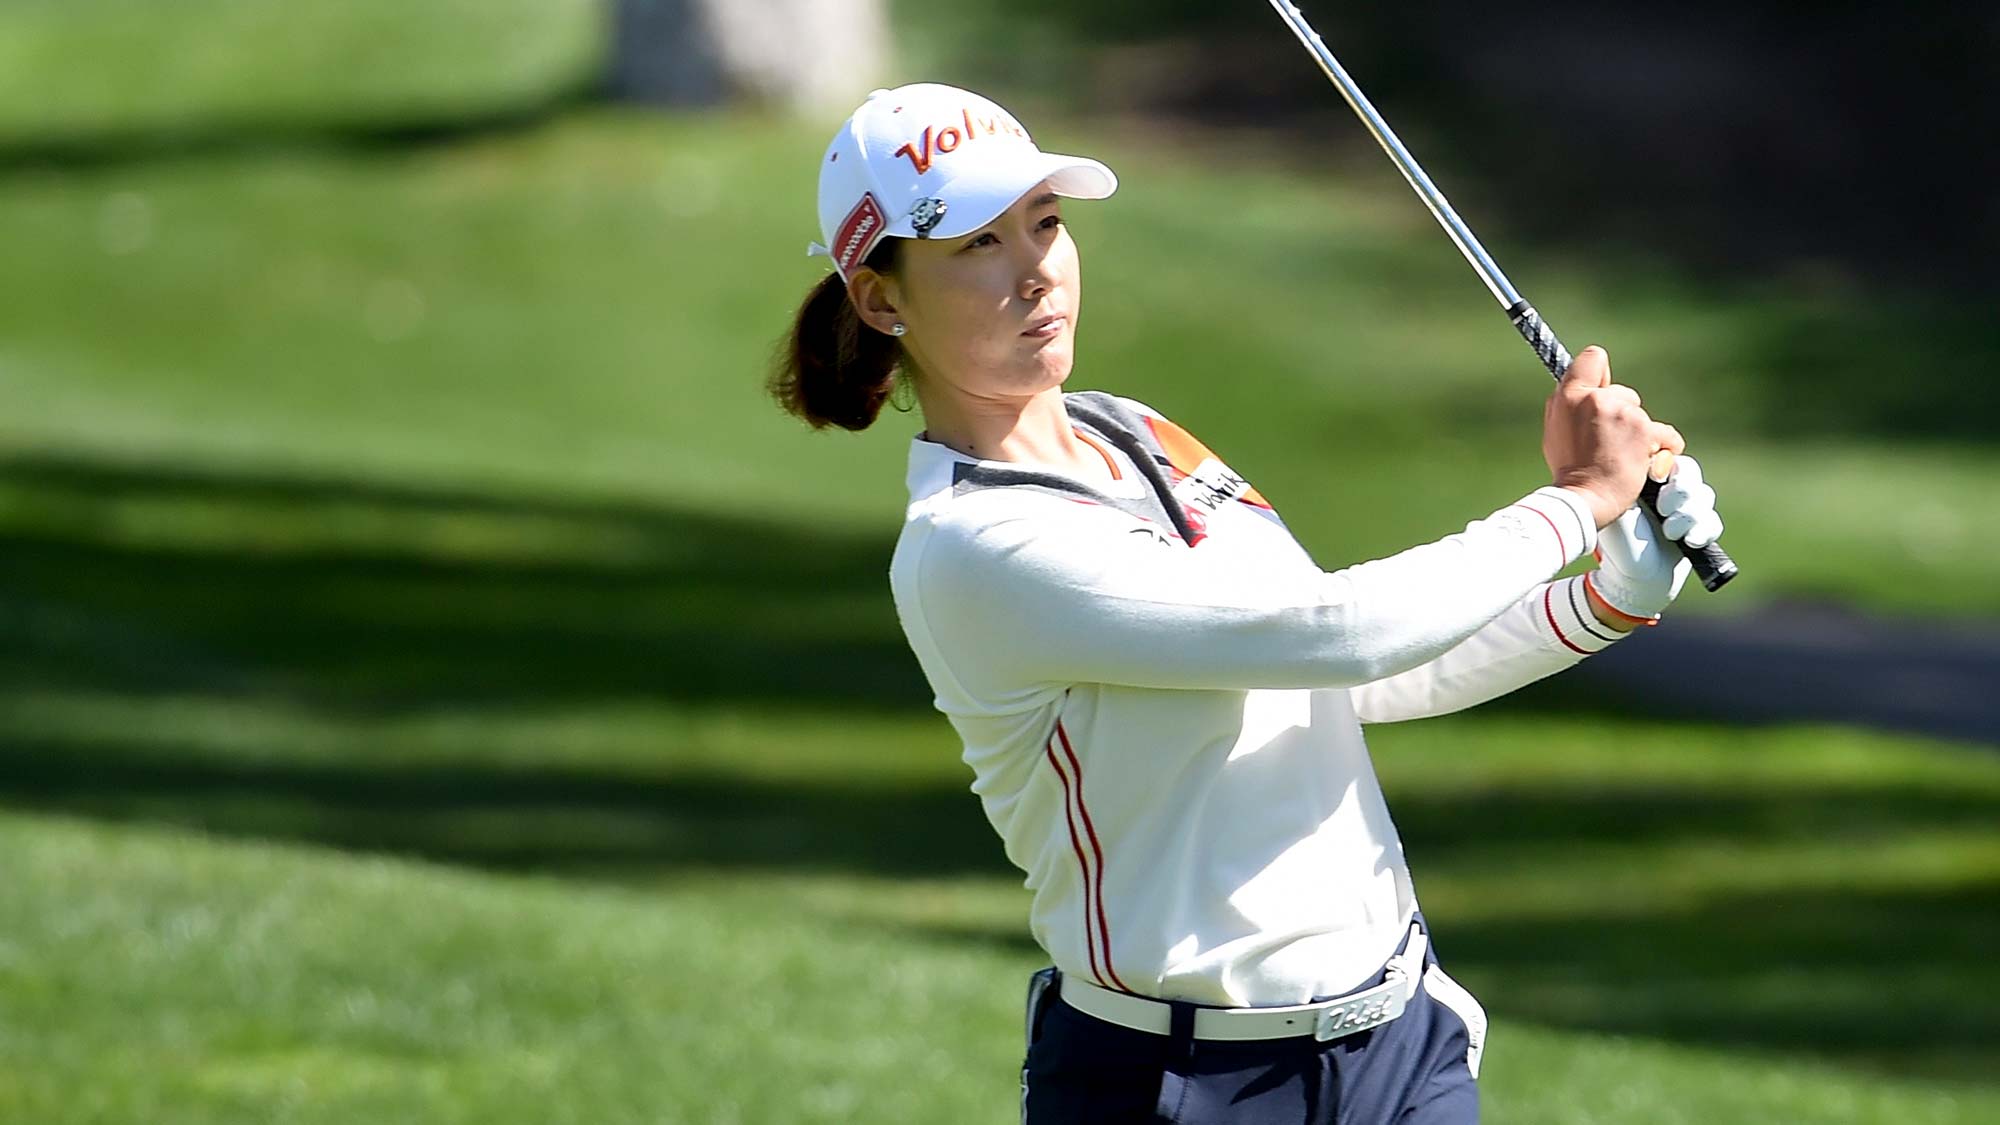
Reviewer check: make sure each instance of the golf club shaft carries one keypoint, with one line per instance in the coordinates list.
(1711, 564)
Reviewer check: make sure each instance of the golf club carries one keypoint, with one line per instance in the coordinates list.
(1711, 564)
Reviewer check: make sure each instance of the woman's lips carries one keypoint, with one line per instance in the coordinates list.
(1042, 328)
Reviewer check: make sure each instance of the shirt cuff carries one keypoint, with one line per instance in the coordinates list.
(1564, 617)
(1568, 517)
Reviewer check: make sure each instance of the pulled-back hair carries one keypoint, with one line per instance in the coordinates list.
(833, 369)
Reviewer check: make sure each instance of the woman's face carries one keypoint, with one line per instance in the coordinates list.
(992, 313)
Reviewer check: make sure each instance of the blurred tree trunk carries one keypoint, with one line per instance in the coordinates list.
(806, 54)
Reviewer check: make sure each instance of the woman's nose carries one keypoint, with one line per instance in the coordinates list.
(1037, 275)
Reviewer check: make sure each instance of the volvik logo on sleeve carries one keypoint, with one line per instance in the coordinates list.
(1208, 488)
(858, 233)
(939, 141)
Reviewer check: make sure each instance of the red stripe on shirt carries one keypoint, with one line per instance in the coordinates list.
(1561, 547)
(1083, 864)
(1103, 926)
(1548, 607)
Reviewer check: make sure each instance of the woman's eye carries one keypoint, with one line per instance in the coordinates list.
(982, 240)
(1052, 222)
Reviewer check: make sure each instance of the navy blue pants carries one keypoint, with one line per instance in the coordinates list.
(1413, 1070)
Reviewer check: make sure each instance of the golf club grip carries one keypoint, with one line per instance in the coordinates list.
(1540, 337)
(1711, 563)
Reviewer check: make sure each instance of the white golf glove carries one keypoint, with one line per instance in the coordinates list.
(1637, 574)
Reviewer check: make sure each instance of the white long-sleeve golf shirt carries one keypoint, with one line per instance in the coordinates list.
(1161, 695)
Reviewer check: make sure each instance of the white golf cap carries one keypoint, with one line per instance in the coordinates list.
(933, 161)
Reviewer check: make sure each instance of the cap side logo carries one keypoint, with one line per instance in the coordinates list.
(858, 233)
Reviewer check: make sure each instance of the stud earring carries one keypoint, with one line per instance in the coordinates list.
(898, 330)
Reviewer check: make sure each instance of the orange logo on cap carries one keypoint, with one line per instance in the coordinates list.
(938, 141)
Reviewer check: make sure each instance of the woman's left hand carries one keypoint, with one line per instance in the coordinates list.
(1639, 574)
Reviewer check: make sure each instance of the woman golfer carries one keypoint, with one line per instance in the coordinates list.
(1159, 692)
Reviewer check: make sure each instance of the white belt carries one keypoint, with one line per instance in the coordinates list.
(1323, 1020)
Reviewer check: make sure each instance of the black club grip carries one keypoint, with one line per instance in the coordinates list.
(1711, 563)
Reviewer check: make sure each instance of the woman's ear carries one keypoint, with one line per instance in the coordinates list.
(874, 297)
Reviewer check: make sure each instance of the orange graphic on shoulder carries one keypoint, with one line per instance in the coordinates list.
(1186, 453)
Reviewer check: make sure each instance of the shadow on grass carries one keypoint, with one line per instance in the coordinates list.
(367, 598)
(621, 823)
(589, 823)
(1789, 663)
(1893, 979)
(112, 148)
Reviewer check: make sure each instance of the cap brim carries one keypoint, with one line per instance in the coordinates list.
(981, 195)
(1078, 177)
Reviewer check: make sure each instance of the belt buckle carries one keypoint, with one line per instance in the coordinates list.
(1372, 1008)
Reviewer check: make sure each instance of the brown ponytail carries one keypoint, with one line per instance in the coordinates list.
(833, 369)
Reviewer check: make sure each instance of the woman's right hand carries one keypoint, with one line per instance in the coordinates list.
(1596, 439)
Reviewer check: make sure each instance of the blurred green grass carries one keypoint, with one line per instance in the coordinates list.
(435, 685)
(634, 931)
(88, 75)
(585, 307)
